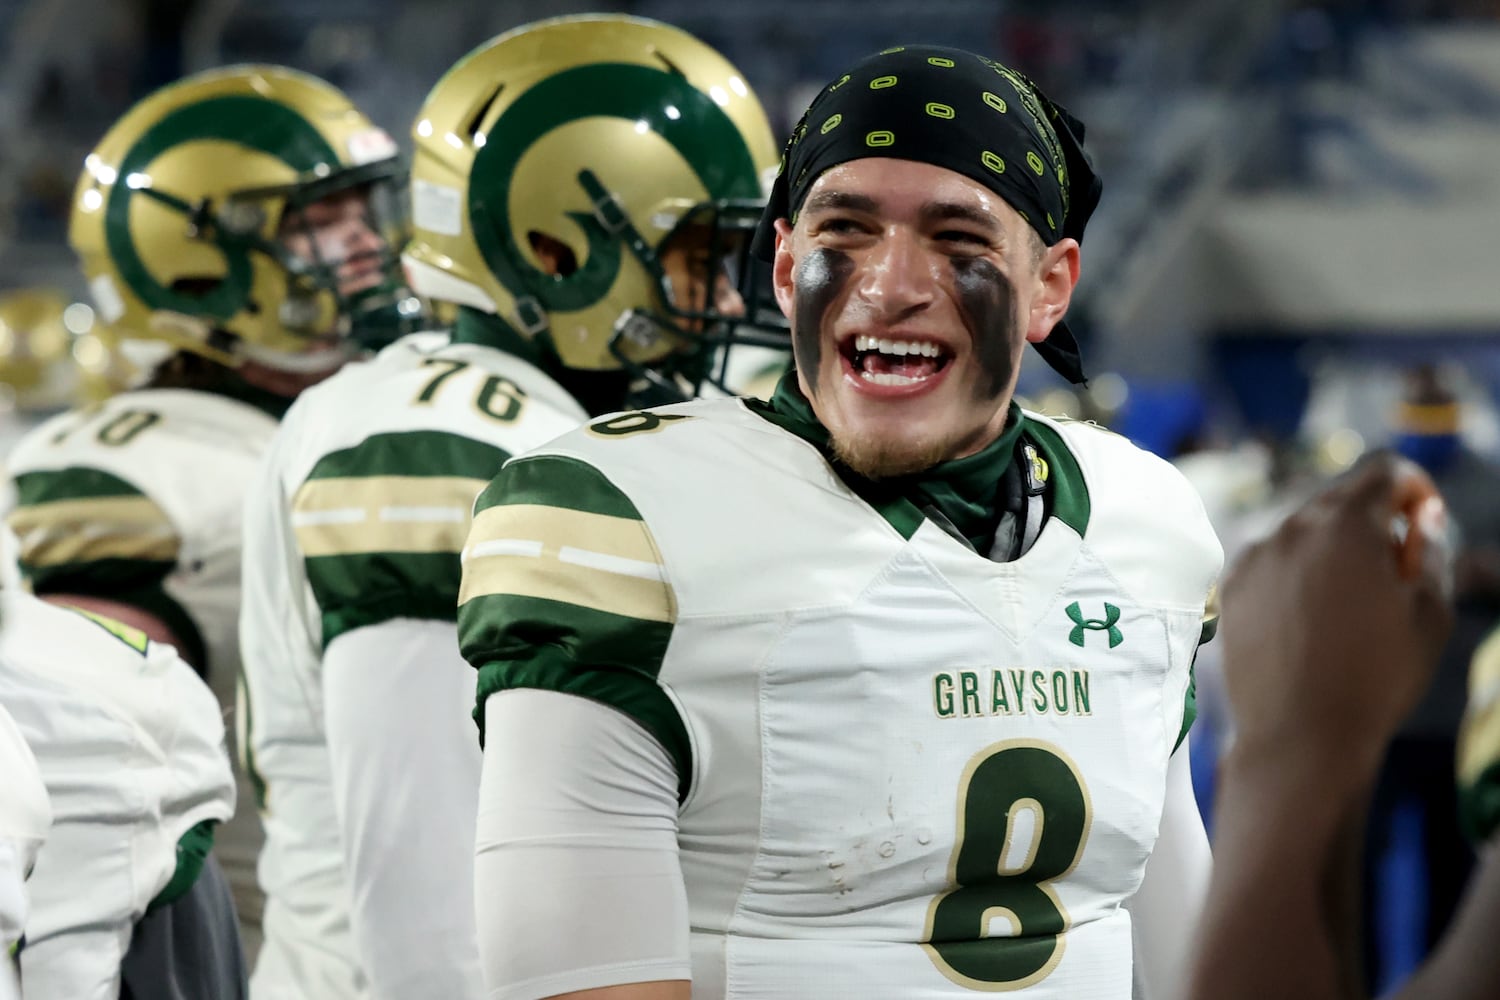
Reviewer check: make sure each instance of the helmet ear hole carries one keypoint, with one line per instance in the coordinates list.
(557, 258)
(196, 286)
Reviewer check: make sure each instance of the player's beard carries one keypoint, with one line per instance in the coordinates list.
(876, 457)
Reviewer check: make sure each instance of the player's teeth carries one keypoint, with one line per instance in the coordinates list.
(897, 348)
(890, 378)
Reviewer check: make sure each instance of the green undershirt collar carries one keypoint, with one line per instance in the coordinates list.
(598, 392)
(967, 491)
(476, 327)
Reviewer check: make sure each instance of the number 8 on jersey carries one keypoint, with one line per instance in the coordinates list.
(1023, 817)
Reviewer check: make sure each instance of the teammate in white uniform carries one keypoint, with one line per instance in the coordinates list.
(25, 815)
(40, 376)
(131, 749)
(872, 690)
(228, 216)
(359, 696)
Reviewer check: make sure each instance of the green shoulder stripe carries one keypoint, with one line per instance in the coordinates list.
(556, 529)
(367, 588)
(78, 515)
(413, 453)
(380, 526)
(72, 483)
(556, 481)
(564, 589)
(555, 646)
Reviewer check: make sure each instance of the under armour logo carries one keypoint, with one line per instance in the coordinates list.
(1105, 624)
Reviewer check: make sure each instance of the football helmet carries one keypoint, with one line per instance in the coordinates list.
(188, 215)
(108, 364)
(36, 365)
(602, 141)
(54, 354)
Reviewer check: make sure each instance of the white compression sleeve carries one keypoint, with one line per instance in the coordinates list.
(577, 879)
(405, 760)
(1165, 909)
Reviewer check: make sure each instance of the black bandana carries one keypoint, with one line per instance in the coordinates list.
(957, 110)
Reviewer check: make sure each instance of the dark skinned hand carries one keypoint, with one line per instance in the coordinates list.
(1333, 625)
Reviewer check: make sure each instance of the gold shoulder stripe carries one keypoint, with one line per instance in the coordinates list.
(365, 514)
(73, 531)
(622, 537)
(1479, 737)
(591, 560)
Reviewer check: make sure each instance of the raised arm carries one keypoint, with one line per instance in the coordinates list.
(1331, 628)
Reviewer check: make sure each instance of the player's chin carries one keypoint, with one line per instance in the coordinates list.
(877, 452)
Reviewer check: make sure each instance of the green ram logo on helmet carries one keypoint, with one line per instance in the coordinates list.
(707, 139)
(260, 124)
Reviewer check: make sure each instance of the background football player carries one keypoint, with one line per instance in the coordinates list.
(47, 367)
(230, 217)
(130, 747)
(38, 378)
(25, 815)
(575, 188)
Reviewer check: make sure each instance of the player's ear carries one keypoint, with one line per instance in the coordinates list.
(1057, 275)
(781, 267)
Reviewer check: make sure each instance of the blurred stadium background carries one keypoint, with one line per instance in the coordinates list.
(1302, 207)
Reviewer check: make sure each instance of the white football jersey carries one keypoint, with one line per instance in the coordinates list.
(358, 519)
(13, 429)
(25, 815)
(906, 770)
(139, 499)
(141, 495)
(131, 748)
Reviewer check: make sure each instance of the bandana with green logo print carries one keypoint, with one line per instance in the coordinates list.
(957, 110)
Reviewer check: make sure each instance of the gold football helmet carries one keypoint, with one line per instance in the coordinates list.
(36, 365)
(196, 219)
(564, 171)
(55, 354)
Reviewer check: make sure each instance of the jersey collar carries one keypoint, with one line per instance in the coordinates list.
(967, 492)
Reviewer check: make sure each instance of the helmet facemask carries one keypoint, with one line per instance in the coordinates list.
(177, 220)
(705, 274)
(338, 241)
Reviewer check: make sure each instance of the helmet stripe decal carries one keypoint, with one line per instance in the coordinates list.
(259, 124)
(704, 135)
